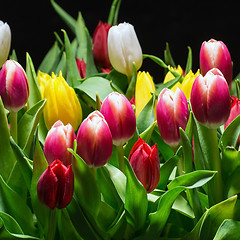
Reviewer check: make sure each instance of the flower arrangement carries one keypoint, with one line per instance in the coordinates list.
(92, 148)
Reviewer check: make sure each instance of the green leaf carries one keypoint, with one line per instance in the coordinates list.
(168, 84)
(192, 180)
(228, 230)
(157, 60)
(189, 61)
(136, 202)
(119, 80)
(68, 19)
(168, 56)
(72, 70)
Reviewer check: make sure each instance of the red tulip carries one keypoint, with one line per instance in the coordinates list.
(215, 54)
(57, 142)
(120, 117)
(210, 99)
(94, 140)
(235, 111)
(172, 113)
(14, 88)
(82, 68)
(100, 50)
(145, 163)
(55, 186)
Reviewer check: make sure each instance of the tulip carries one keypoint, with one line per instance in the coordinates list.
(215, 54)
(62, 102)
(169, 76)
(14, 88)
(100, 49)
(143, 91)
(235, 111)
(124, 48)
(55, 186)
(210, 99)
(94, 140)
(81, 65)
(172, 113)
(57, 142)
(5, 42)
(120, 117)
(145, 163)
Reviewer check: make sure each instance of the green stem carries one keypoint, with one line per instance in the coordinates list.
(121, 160)
(113, 14)
(52, 225)
(13, 125)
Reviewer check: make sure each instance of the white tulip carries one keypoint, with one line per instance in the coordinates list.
(5, 42)
(124, 48)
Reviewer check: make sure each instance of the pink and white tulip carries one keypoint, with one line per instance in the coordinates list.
(57, 142)
(94, 140)
(14, 88)
(172, 113)
(210, 99)
(120, 117)
(215, 54)
(5, 42)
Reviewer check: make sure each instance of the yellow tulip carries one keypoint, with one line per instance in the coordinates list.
(62, 102)
(143, 91)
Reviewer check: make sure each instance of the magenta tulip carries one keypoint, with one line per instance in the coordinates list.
(94, 140)
(14, 88)
(145, 163)
(55, 186)
(57, 142)
(172, 113)
(120, 117)
(210, 99)
(215, 54)
(82, 67)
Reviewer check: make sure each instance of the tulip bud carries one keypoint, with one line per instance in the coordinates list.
(120, 117)
(62, 102)
(215, 54)
(145, 163)
(5, 42)
(57, 142)
(94, 140)
(100, 50)
(210, 99)
(14, 88)
(81, 65)
(235, 111)
(172, 113)
(124, 48)
(55, 186)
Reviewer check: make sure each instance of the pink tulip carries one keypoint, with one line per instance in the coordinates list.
(235, 112)
(120, 117)
(14, 89)
(57, 142)
(145, 163)
(172, 113)
(55, 186)
(210, 99)
(94, 140)
(215, 54)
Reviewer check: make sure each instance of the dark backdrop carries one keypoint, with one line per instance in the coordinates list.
(179, 23)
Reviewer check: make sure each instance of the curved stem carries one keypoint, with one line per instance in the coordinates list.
(52, 225)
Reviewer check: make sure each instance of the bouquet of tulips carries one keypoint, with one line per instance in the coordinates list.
(92, 148)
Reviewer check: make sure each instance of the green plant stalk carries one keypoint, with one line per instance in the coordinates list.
(52, 225)
(13, 125)
(121, 160)
(113, 14)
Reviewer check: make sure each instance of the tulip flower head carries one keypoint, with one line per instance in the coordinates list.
(120, 117)
(215, 54)
(14, 88)
(94, 140)
(235, 112)
(5, 42)
(210, 99)
(124, 48)
(145, 163)
(55, 186)
(62, 102)
(57, 142)
(172, 113)
(82, 68)
(100, 49)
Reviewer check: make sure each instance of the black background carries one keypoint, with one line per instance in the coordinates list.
(179, 23)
